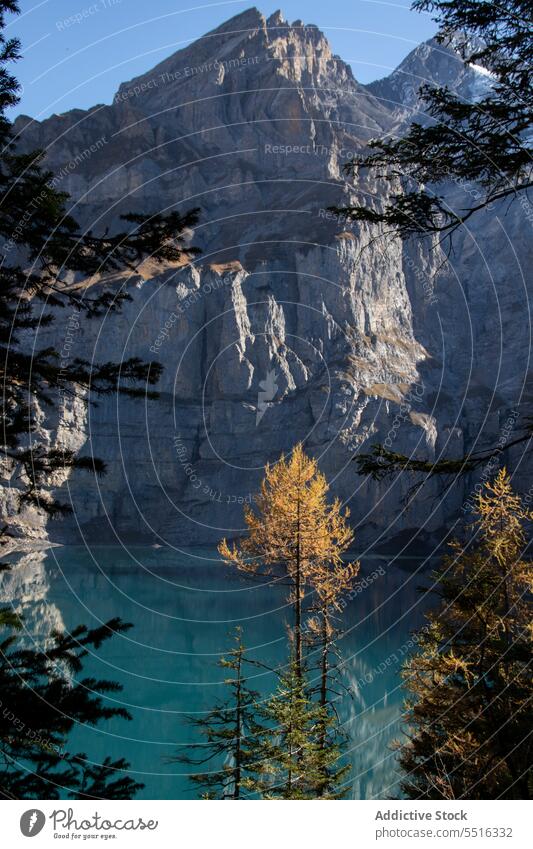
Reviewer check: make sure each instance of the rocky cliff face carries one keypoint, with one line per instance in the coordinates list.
(292, 325)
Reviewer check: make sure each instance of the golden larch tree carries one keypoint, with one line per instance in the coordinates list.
(470, 683)
(292, 526)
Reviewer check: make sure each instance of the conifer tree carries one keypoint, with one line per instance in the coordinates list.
(228, 731)
(290, 760)
(293, 527)
(470, 685)
(42, 702)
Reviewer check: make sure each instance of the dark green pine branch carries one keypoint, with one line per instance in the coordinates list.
(43, 700)
(381, 463)
(42, 247)
(487, 142)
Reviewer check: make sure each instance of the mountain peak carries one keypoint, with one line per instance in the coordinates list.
(435, 64)
(266, 47)
(251, 18)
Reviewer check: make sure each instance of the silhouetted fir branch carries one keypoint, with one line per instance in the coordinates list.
(42, 702)
(485, 142)
(42, 244)
(381, 463)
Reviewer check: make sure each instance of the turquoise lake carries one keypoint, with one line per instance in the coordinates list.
(184, 605)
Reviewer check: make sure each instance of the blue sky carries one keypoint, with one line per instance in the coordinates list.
(70, 64)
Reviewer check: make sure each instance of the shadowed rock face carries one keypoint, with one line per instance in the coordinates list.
(292, 325)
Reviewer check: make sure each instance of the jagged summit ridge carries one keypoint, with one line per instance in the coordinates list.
(299, 52)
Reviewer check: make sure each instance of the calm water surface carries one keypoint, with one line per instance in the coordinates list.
(184, 606)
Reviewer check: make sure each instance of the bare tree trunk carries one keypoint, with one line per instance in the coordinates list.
(298, 601)
(324, 672)
(324, 666)
(238, 731)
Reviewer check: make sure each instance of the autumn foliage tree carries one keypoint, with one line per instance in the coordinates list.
(289, 745)
(293, 527)
(470, 684)
(294, 530)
